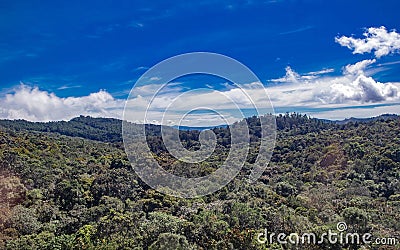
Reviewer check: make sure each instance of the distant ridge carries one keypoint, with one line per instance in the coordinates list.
(110, 129)
(98, 129)
(198, 128)
(363, 120)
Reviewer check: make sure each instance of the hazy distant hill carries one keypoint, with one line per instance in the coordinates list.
(109, 129)
(381, 117)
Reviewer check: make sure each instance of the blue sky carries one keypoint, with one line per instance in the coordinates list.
(85, 57)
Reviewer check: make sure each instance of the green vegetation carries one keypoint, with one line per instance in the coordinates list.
(69, 185)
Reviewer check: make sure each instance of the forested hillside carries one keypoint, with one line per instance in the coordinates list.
(69, 185)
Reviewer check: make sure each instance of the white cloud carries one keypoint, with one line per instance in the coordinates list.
(363, 89)
(293, 77)
(140, 68)
(353, 87)
(378, 40)
(290, 76)
(359, 67)
(321, 72)
(155, 78)
(33, 104)
(69, 87)
(389, 63)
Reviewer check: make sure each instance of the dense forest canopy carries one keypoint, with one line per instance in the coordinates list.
(69, 185)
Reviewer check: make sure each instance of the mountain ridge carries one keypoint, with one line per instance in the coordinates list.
(110, 129)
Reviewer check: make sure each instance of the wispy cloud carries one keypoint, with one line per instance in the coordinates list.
(301, 29)
(155, 78)
(388, 63)
(140, 68)
(10, 55)
(69, 87)
(102, 30)
(118, 64)
(321, 72)
(292, 76)
(136, 25)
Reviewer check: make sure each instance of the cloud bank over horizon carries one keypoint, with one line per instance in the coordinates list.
(323, 93)
(33, 104)
(352, 87)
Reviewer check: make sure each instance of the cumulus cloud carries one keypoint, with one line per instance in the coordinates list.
(379, 40)
(363, 89)
(33, 104)
(354, 86)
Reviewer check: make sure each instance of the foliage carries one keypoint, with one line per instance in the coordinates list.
(69, 185)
